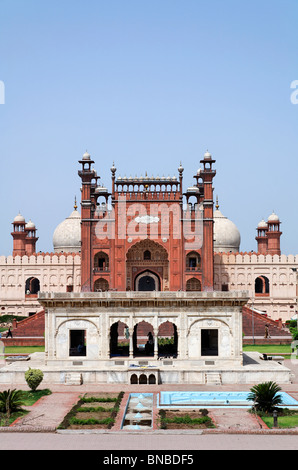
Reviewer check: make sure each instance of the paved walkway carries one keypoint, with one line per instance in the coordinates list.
(47, 414)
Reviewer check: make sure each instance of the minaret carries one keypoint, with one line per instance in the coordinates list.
(261, 238)
(207, 174)
(273, 235)
(86, 174)
(31, 238)
(19, 236)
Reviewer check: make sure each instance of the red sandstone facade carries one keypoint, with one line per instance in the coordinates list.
(268, 237)
(141, 236)
(24, 237)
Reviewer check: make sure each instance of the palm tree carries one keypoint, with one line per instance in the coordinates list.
(11, 400)
(265, 396)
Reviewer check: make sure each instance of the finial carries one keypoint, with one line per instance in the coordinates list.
(75, 204)
(217, 206)
(113, 169)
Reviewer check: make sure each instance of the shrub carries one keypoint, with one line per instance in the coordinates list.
(99, 400)
(90, 421)
(33, 378)
(294, 333)
(265, 396)
(10, 401)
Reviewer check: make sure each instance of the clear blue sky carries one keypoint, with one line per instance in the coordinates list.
(148, 83)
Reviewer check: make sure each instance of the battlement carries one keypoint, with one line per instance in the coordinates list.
(41, 259)
(254, 258)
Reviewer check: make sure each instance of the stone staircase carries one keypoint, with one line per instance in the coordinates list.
(73, 378)
(254, 327)
(213, 378)
(27, 332)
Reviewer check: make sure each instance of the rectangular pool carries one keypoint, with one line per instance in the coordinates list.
(171, 400)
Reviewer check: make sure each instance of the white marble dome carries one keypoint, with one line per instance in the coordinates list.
(30, 225)
(273, 218)
(19, 218)
(263, 224)
(86, 156)
(226, 235)
(67, 236)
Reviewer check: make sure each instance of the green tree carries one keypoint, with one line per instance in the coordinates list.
(33, 378)
(10, 401)
(265, 396)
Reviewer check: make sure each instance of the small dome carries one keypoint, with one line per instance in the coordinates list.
(100, 189)
(67, 236)
(86, 156)
(207, 156)
(273, 218)
(30, 225)
(226, 235)
(193, 189)
(19, 218)
(263, 224)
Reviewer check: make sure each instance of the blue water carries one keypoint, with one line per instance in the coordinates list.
(215, 400)
(142, 397)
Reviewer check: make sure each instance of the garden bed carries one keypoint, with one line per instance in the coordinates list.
(96, 411)
(181, 419)
(286, 419)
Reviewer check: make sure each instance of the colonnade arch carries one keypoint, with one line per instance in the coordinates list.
(119, 339)
(143, 340)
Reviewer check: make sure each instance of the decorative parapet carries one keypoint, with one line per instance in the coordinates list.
(41, 259)
(150, 299)
(254, 258)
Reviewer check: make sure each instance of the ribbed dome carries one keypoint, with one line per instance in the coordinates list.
(30, 225)
(67, 236)
(273, 218)
(19, 218)
(86, 156)
(226, 235)
(263, 224)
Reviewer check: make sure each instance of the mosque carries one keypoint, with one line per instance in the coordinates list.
(148, 284)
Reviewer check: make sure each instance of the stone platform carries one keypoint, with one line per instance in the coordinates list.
(254, 370)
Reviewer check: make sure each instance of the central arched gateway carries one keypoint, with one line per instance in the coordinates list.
(147, 267)
(147, 281)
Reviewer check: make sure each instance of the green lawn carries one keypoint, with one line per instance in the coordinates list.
(23, 349)
(261, 348)
(290, 421)
(31, 397)
(268, 348)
